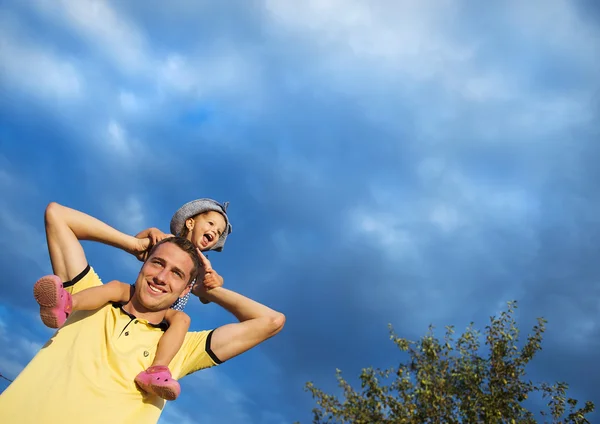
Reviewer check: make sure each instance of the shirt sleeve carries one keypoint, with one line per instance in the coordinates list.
(195, 354)
(86, 279)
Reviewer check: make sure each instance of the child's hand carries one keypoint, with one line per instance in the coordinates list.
(140, 248)
(207, 281)
(148, 238)
(155, 235)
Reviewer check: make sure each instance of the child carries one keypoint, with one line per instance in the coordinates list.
(205, 223)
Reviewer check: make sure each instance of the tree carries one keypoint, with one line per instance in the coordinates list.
(452, 381)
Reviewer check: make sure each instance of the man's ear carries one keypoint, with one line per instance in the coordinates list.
(189, 223)
(187, 289)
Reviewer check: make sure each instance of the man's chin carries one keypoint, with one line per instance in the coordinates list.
(155, 305)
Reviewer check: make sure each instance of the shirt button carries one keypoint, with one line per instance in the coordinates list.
(127, 333)
(136, 321)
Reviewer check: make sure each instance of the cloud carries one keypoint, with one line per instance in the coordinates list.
(174, 415)
(112, 34)
(36, 68)
(126, 46)
(32, 241)
(412, 163)
(406, 38)
(129, 102)
(117, 141)
(130, 215)
(18, 349)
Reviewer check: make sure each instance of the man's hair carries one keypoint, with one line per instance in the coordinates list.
(188, 247)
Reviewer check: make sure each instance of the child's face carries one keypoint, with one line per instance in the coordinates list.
(205, 229)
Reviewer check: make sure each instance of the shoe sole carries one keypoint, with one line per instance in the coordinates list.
(45, 291)
(46, 294)
(164, 392)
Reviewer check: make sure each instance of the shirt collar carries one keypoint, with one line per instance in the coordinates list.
(163, 325)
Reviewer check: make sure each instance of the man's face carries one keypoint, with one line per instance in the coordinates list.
(206, 229)
(164, 277)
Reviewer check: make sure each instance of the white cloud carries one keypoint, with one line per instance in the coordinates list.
(486, 87)
(209, 70)
(559, 24)
(174, 415)
(130, 215)
(401, 223)
(96, 21)
(36, 68)
(6, 180)
(445, 217)
(418, 50)
(129, 102)
(405, 36)
(220, 399)
(128, 48)
(9, 180)
(431, 168)
(229, 403)
(117, 143)
(10, 367)
(16, 351)
(383, 228)
(201, 75)
(32, 241)
(127, 215)
(117, 139)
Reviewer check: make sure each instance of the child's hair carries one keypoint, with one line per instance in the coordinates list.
(185, 230)
(188, 247)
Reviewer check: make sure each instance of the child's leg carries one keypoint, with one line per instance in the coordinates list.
(171, 341)
(56, 304)
(96, 297)
(157, 379)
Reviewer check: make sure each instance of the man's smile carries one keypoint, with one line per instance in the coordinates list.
(154, 289)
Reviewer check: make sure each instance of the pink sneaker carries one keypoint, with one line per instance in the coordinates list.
(157, 380)
(55, 302)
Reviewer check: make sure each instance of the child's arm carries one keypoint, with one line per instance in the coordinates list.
(171, 341)
(96, 297)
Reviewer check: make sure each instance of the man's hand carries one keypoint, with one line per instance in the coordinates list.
(148, 238)
(208, 281)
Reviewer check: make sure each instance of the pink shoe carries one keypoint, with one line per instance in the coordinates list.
(157, 380)
(55, 302)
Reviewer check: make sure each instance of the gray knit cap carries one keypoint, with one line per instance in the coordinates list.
(196, 207)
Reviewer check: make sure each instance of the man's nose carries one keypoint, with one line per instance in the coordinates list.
(161, 277)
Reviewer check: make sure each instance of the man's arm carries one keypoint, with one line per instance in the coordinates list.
(257, 322)
(66, 226)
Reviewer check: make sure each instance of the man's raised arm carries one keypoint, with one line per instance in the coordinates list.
(66, 226)
(257, 322)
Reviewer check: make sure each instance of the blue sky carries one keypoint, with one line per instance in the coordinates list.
(407, 162)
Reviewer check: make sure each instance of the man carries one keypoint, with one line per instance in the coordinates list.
(85, 373)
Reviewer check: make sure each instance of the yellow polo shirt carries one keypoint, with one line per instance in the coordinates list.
(85, 372)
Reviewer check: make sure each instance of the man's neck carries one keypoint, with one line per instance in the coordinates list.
(142, 313)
